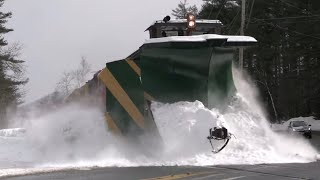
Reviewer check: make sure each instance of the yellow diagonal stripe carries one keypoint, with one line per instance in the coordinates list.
(148, 97)
(118, 92)
(178, 176)
(137, 69)
(112, 125)
(134, 66)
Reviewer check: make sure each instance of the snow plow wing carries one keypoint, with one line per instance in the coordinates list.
(167, 71)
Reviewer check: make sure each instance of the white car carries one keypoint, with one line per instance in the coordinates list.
(300, 127)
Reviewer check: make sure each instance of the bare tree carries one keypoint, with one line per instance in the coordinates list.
(66, 84)
(74, 78)
(80, 74)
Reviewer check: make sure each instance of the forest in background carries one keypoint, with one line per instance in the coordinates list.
(285, 64)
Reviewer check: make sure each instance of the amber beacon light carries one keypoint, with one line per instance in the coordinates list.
(191, 21)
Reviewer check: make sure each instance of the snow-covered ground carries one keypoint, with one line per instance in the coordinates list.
(75, 137)
(315, 124)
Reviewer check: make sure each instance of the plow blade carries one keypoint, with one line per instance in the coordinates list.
(167, 71)
(187, 74)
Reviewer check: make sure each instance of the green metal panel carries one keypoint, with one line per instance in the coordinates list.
(130, 82)
(174, 72)
(220, 83)
(171, 75)
(120, 116)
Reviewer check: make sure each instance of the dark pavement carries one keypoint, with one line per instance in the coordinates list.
(256, 172)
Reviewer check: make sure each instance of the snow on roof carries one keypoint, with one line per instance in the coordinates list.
(241, 39)
(201, 38)
(205, 21)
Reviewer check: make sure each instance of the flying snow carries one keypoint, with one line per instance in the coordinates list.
(75, 137)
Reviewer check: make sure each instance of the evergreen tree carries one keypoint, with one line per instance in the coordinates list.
(11, 70)
(183, 9)
(227, 11)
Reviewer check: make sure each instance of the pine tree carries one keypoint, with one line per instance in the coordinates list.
(183, 9)
(227, 11)
(11, 70)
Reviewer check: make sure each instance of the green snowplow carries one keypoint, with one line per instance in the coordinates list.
(184, 60)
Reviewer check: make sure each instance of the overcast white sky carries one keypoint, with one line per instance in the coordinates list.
(56, 33)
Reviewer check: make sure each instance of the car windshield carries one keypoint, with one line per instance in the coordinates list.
(298, 123)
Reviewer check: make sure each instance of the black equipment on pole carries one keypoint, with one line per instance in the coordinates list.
(219, 134)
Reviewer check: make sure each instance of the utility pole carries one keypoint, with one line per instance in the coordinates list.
(243, 18)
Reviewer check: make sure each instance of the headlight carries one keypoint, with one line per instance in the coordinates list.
(191, 24)
(294, 130)
(191, 17)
